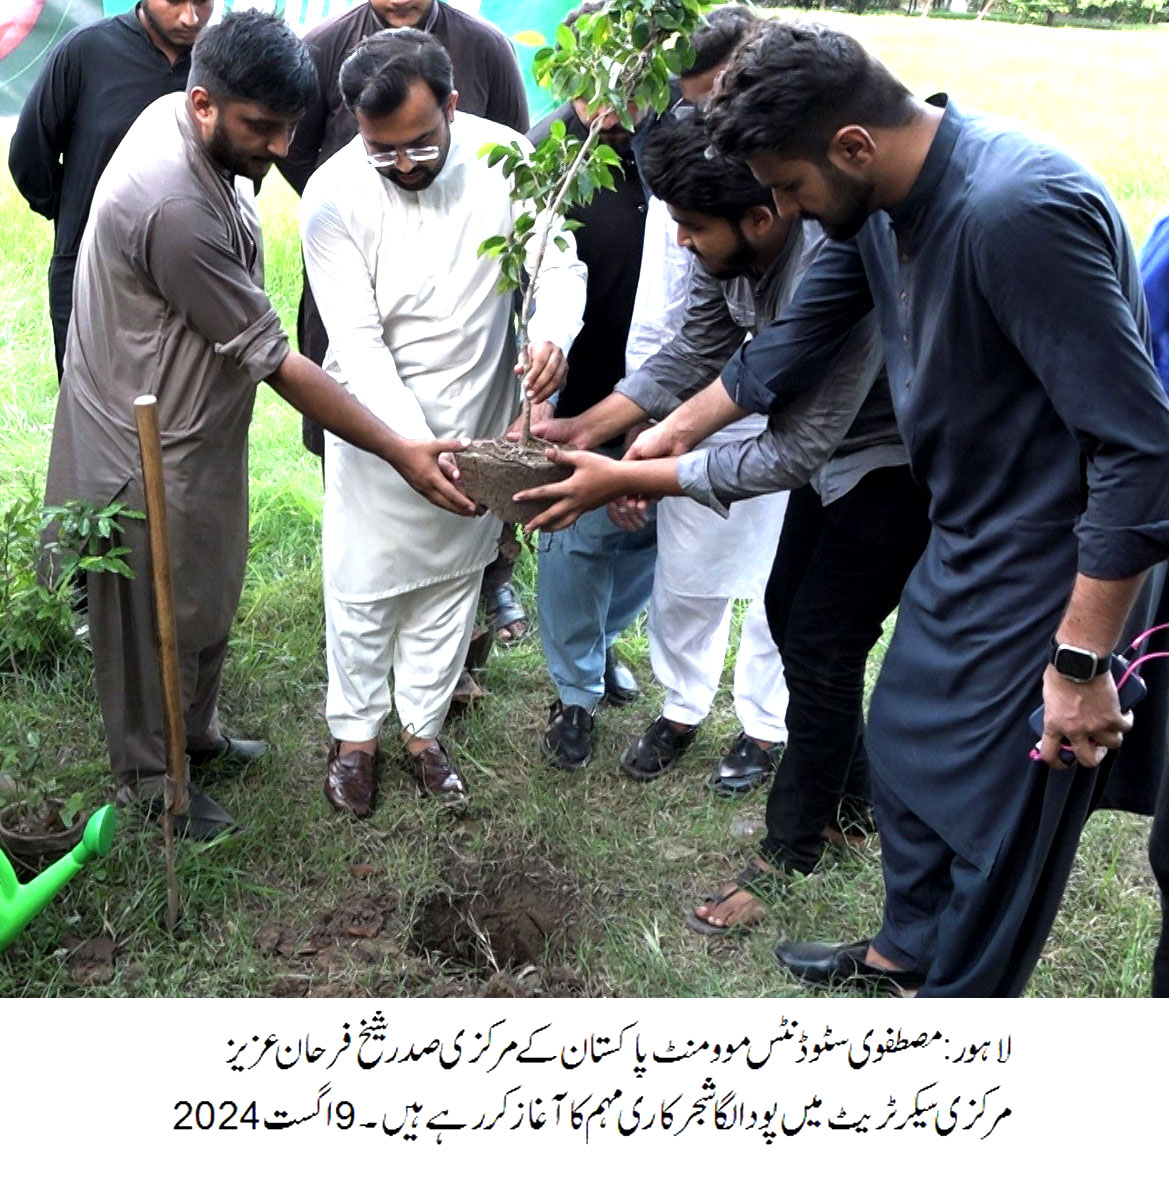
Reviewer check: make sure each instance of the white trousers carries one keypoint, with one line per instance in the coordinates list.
(420, 637)
(688, 637)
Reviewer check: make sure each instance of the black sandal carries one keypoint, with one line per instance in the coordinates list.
(503, 610)
(750, 880)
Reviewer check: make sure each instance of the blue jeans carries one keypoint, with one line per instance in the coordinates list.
(594, 579)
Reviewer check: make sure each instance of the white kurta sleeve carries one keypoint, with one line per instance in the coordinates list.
(343, 286)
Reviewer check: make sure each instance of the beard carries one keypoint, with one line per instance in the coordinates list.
(851, 210)
(228, 156)
(417, 179)
(741, 261)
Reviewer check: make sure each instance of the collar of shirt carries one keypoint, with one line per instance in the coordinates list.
(934, 166)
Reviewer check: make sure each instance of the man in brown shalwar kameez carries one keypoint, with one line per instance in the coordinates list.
(169, 300)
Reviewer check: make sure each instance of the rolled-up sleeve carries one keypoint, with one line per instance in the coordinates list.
(692, 358)
(1050, 274)
(189, 257)
(792, 354)
(801, 436)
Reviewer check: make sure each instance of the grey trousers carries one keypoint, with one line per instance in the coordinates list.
(123, 638)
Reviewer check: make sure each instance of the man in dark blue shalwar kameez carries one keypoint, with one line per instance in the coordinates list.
(1155, 272)
(1016, 339)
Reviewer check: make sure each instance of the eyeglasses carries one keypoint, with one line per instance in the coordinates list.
(391, 157)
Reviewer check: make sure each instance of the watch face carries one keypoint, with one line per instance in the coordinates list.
(1077, 664)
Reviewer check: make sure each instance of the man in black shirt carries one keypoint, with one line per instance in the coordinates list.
(95, 84)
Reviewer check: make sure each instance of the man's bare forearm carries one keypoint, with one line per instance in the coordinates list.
(709, 410)
(318, 396)
(648, 477)
(606, 420)
(1096, 612)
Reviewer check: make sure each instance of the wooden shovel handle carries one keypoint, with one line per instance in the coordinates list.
(150, 444)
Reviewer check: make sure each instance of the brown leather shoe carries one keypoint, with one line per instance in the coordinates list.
(349, 781)
(435, 776)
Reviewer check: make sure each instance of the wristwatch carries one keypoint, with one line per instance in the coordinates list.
(1078, 665)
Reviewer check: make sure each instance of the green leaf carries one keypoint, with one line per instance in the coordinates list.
(564, 38)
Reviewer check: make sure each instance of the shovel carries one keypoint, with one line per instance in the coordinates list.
(150, 445)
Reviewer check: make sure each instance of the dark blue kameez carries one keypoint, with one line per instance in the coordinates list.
(1016, 340)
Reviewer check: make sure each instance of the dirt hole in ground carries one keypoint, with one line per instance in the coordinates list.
(506, 921)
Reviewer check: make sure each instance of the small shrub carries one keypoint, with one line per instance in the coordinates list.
(38, 573)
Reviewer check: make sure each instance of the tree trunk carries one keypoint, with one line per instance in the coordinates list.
(987, 5)
(926, 7)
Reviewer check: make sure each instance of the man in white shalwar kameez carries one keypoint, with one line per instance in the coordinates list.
(420, 334)
(690, 608)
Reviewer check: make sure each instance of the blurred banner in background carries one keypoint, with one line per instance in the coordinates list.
(30, 28)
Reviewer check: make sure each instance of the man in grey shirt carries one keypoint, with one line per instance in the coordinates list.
(849, 540)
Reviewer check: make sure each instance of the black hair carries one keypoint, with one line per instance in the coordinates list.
(676, 168)
(254, 57)
(378, 75)
(789, 87)
(713, 41)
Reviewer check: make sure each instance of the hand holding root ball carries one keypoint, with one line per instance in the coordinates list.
(595, 480)
(431, 470)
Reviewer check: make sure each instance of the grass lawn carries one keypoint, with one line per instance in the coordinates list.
(558, 884)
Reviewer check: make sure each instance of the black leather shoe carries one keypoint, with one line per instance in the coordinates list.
(227, 752)
(745, 767)
(656, 751)
(620, 684)
(205, 819)
(568, 742)
(824, 963)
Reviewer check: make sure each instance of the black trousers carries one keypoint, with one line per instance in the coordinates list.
(1159, 857)
(979, 933)
(837, 575)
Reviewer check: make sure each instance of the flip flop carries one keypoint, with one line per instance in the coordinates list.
(749, 880)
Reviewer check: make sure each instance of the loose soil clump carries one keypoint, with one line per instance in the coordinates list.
(493, 470)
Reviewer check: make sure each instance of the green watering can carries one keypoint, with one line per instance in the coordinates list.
(20, 903)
